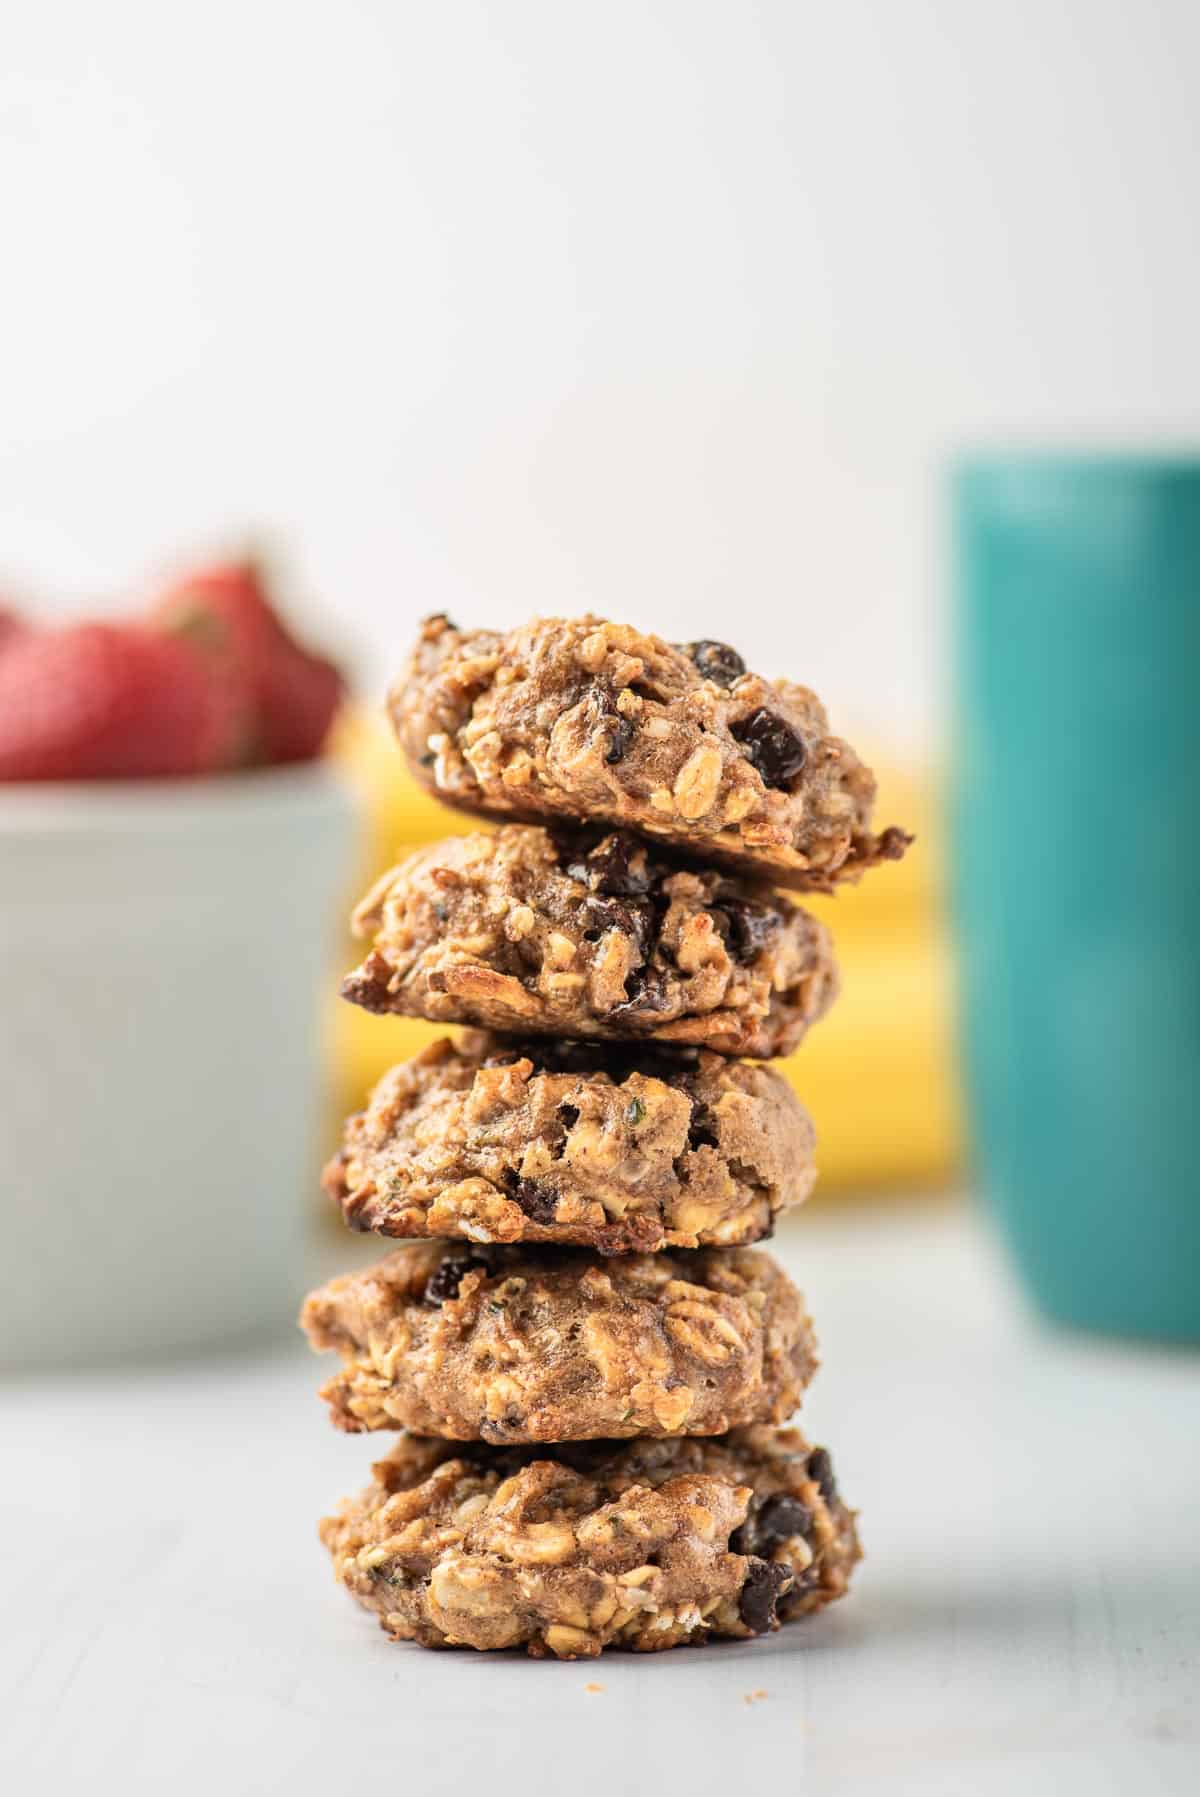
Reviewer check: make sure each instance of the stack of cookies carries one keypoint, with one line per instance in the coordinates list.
(587, 1362)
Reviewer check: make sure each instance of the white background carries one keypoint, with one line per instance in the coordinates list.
(670, 309)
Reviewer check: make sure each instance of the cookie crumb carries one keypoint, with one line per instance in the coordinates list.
(755, 1696)
(594, 1688)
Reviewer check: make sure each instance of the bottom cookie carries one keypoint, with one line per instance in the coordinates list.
(645, 1545)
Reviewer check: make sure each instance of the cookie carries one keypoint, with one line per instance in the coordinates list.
(625, 1149)
(578, 719)
(512, 1345)
(591, 934)
(649, 1545)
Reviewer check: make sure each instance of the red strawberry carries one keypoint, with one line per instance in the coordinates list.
(300, 695)
(222, 614)
(289, 695)
(107, 701)
(12, 626)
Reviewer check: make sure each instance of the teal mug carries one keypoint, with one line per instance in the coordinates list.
(1076, 874)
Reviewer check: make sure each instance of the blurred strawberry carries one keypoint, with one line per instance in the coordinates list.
(300, 694)
(288, 695)
(222, 614)
(108, 701)
(12, 626)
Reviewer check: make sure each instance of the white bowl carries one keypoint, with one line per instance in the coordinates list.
(162, 952)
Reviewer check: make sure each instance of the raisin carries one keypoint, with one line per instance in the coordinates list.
(442, 1285)
(764, 1584)
(751, 928)
(716, 661)
(820, 1468)
(773, 746)
(539, 1202)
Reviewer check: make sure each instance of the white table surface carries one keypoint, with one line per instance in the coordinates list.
(1028, 1618)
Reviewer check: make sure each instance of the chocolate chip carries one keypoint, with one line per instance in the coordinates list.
(442, 1285)
(716, 661)
(620, 736)
(618, 866)
(773, 746)
(820, 1468)
(748, 928)
(644, 994)
(776, 1519)
(764, 1584)
(539, 1202)
(779, 1518)
(568, 1115)
(633, 919)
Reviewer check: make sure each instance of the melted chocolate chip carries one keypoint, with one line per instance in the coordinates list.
(760, 1593)
(617, 866)
(749, 927)
(716, 661)
(644, 995)
(773, 746)
(635, 920)
(442, 1285)
(820, 1468)
(568, 1115)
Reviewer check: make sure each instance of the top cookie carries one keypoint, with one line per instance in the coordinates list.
(580, 719)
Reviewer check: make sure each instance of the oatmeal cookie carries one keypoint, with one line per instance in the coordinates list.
(648, 1545)
(624, 1149)
(592, 934)
(520, 1344)
(575, 718)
